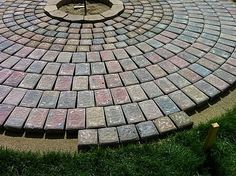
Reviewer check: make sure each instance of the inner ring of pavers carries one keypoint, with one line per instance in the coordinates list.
(121, 37)
(52, 9)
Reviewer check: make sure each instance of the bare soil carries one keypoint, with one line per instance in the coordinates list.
(216, 109)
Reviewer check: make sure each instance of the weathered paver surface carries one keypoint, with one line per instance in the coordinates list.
(124, 79)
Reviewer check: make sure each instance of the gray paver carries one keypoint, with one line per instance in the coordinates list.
(31, 98)
(200, 69)
(164, 125)
(98, 68)
(46, 82)
(87, 138)
(217, 82)
(108, 136)
(184, 102)
(166, 105)
(150, 109)
(82, 69)
(151, 89)
(80, 83)
(181, 119)
(178, 80)
(85, 99)
(165, 85)
(114, 116)
(67, 99)
(143, 75)
(133, 113)
(49, 99)
(147, 129)
(30, 81)
(127, 133)
(195, 94)
(207, 88)
(128, 78)
(95, 117)
(229, 78)
(136, 93)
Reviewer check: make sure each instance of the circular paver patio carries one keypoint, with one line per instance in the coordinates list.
(124, 79)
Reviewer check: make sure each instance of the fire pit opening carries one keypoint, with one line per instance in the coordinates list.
(77, 7)
(84, 10)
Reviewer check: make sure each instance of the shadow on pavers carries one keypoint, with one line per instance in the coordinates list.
(29, 134)
(72, 134)
(60, 135)
(14, 133)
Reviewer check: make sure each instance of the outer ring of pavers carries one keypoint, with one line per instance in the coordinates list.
(221, 79)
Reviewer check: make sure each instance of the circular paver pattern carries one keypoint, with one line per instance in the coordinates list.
(123, 79)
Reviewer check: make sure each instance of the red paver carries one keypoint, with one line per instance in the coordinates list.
(55, 121)
(36, 120)
(103, 97)
(120, 95)
(17, 118)
(75, 119)
(5, 111)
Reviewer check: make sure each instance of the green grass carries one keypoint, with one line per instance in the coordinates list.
(179, 155)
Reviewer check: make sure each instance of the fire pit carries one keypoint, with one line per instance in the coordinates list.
(84, 12)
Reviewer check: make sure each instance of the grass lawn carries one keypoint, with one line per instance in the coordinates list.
(180, 154)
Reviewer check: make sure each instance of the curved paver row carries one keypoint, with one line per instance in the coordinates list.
(117, 80)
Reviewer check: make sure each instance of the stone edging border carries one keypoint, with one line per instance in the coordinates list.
(52, 9)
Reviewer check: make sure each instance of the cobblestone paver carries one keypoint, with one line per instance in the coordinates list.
(124, 79)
